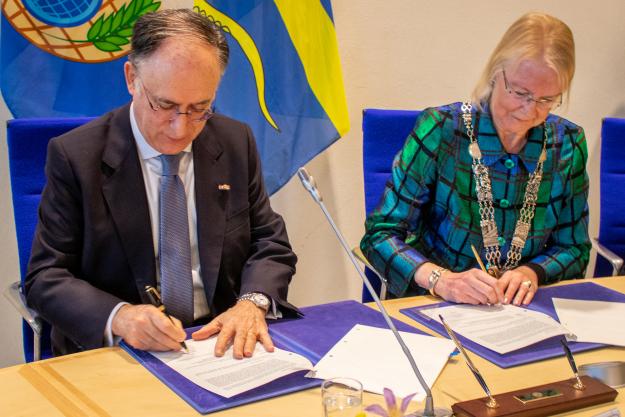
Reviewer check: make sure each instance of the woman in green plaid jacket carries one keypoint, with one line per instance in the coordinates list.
(501, 174)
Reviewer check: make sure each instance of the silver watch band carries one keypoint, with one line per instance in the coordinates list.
(259, 299)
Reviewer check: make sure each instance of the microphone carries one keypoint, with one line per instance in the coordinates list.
(429, 411)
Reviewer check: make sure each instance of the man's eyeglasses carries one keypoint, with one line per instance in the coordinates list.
(542, 103)
(170, 110)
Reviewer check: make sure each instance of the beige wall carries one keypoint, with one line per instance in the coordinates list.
(400, 54)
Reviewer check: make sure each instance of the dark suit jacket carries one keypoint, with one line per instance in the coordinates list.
(93, 245)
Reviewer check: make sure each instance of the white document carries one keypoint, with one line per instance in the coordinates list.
(593, 321)
(503, 328)
(227, 376)
(372, 356)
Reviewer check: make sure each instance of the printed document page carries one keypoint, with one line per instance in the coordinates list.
(227, 376)
(502, 328)
(372, 356)
(593, 321)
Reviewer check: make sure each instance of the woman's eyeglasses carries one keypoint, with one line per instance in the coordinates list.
(543, 103)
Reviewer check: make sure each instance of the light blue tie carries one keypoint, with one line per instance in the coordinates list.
(174, 245)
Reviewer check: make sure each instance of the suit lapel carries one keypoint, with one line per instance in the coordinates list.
(211, 204)
(124, 192)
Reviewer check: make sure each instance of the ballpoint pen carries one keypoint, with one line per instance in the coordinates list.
(579, 385)
(481, 264)
(155, 300)
(477, 257)
(492, 271)
(492, 403)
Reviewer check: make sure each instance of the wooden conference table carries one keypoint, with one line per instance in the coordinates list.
(108, 382)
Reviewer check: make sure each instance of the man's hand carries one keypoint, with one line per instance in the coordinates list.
(242, 325)
(519, 284)
(472, 287)
(145, 327)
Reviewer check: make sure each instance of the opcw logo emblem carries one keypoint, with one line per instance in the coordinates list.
(78, 30)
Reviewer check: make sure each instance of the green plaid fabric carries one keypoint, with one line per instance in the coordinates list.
(429, 210)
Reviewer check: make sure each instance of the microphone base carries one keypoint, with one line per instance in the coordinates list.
(438, 412)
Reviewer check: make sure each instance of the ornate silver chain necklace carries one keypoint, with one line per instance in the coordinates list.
(483, 188)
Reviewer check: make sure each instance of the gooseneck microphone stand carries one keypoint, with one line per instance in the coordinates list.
(429, 411)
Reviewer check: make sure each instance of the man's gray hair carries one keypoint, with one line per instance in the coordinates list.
(152, 29)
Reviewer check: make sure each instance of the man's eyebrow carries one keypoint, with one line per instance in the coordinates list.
(169, 102)
(207, 101)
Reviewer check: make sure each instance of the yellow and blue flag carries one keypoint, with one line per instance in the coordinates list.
(284, 78)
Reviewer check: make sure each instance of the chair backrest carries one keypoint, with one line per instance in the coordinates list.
(612, 191)
(27, 145)
(384, 133)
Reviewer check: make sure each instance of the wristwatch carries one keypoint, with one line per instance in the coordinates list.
(260, 300)
(435, 275)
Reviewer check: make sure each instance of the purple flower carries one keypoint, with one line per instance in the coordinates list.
(391, 405)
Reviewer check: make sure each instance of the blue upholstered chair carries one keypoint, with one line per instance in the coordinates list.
(27, 144)
(611, 242)
(384, 133)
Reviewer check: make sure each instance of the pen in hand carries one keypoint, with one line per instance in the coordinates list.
(477, 258)
(482, 267)
(492, 271)
(492, 403)
(579, 385)
(155, 300)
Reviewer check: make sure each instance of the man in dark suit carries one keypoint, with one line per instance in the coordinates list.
(100, 239)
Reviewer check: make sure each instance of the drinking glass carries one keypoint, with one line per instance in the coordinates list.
(341, 397)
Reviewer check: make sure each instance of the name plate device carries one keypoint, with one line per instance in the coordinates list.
(543, 400)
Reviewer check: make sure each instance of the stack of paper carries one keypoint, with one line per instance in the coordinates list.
(374, 357)
(593, 321)
(227, 376)
(502, 328)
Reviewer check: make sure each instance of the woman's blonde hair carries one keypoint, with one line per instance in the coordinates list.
(533, 36)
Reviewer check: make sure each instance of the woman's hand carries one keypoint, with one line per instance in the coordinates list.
(471, 287)
(518, 285)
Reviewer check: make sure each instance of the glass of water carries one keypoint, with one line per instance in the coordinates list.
(341, 397)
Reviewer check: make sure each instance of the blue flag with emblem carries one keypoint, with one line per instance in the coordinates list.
(65, 58)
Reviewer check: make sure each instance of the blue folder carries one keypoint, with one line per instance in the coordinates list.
(311, 336)
(546, 349)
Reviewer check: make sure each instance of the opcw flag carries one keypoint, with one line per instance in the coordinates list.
(65, 58)
(284, 78)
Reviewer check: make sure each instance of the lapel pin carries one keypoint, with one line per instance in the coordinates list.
(224, 187)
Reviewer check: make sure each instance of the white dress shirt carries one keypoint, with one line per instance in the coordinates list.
(151, 167)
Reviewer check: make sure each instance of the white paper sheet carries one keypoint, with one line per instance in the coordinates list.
(227, 376)
(502, 328)
(372, 356)
(593, 321)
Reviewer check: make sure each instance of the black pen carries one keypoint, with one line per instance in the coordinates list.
(569, 355)
(155, 300)
(492, 403)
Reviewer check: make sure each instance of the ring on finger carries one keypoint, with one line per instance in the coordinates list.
(527, 284)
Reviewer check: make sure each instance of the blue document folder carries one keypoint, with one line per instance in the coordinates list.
(548, 348)
(311, 336)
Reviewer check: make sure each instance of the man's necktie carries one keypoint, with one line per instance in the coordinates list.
(174, 245)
